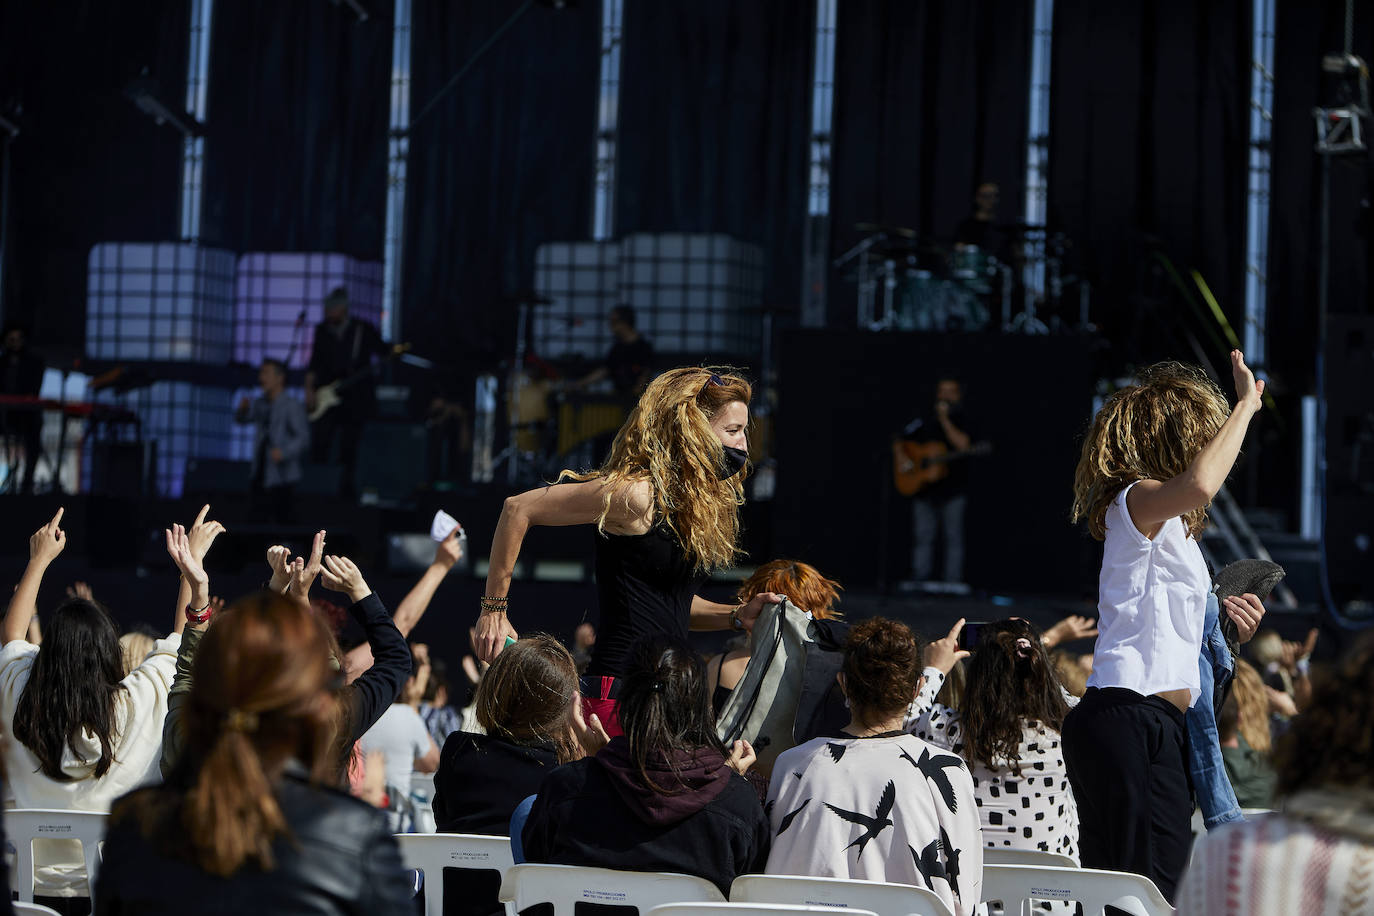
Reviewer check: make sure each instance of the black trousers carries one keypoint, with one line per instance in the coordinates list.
(344, 423)
(1127, 757)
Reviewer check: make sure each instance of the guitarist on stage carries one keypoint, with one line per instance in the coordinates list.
(938, 507)
(343, 352)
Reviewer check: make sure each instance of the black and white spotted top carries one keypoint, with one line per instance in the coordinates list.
(1033, 811)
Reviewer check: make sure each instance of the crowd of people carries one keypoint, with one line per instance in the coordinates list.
(247, 757)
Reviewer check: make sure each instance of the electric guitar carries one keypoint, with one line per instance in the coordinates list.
(327, 397)
(917, 465)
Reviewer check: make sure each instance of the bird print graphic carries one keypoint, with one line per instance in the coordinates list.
(872, 825)
(836, 751)
(929, 866)
(951, 862)
(788, 818)
(933, 768)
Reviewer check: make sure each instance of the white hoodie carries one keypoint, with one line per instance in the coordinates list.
(59, 869)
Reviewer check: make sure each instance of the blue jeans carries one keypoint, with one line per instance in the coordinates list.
(1214, 793)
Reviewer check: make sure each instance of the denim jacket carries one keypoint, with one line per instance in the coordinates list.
(1214, 793)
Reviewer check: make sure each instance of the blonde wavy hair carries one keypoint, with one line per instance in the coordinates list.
(1153, 429)
(668, 441)
(1252, 704)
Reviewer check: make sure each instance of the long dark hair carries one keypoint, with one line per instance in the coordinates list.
(1010, 682)
(665, 705)
(74, 686)
(1328, 745)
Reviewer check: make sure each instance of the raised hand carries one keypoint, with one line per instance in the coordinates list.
(944, 653)
(279, 561)
(179, 549)
(750, 611)
(1248, 391)
(449, 551)
(303, 579)
(79, 590)
(1067, 630)
(203, 534)
(492, 630)
(342, 575)
(49, 541)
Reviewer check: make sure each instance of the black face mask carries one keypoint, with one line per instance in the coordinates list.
(734, 462)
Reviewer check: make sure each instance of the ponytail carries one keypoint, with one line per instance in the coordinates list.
(1011, 683)
(231, 812)
(665, 707)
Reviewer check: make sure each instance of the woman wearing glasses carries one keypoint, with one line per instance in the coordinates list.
(666, 509)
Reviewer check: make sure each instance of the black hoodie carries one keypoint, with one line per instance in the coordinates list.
(600, 812)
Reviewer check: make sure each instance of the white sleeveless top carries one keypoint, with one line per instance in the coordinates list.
(1152, 597)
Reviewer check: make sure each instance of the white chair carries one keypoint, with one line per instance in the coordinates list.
(1005, 855)
(839, 893)
(34, 909)
(565, 886)
(422, 802)
(433, 852)
(745, 909)
(1014, 884)
(24, 825)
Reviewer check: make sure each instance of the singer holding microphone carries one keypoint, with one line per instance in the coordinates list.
(280, 441)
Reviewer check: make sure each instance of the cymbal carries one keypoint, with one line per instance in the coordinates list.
(902, 231)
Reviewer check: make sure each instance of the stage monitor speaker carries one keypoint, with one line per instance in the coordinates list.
(123, 468)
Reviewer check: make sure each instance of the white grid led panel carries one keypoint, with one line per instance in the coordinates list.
(159, 301)
(279, 298)
(186, 420)
(583, 279)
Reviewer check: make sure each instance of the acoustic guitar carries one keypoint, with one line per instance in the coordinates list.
(917, 465)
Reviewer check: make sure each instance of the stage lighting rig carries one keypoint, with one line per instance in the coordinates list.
(1344, 104)
(143, 92)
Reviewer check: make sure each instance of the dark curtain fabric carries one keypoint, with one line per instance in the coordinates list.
(87, 166)
(502, 164)
(295, 150)
(931, 99)
(714, 114)
(1149, 131)
(1306, 32)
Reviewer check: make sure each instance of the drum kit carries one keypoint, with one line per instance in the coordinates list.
(908, 283)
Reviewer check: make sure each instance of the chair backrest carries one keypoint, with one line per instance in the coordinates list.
(433, 852)
(24, 825)
(1004, 855)
(33, 909)
(1134, 894)
(565, 886)
(839, 893)
(746, 909)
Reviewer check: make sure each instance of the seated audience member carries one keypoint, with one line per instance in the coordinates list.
(804, 586)
(441, 717)
(80, 730)
(1243, 727)
(1072, 670)
(1315, 853)
(878, 804)
(249, 820)
(403, 740)
(665, 795)
(1007, 729)
(362, 700)
(134, 647)
(525, 704)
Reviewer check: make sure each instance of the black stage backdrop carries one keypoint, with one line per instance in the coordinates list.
(714, 114)
(845, 395)
(1149, 126)
(501, 165)
(930, 99)
(87, 166)
(295, 149)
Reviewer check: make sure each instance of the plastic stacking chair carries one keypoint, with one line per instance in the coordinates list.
(433, 852)
(1003, 855)
(24, 825)
(746, 909)
(565, 886)
(33, 909)
(839, 894)
(1094, 889)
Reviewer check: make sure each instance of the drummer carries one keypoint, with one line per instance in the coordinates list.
(629, 362)
(979, 229)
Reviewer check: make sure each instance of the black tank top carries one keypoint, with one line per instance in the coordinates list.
(645, 584)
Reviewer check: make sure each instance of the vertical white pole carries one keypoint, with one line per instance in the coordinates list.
(398, 150)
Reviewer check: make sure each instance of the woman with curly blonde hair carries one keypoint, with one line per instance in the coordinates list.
(666, 509)
(1157, 453)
